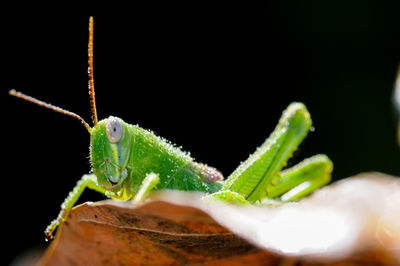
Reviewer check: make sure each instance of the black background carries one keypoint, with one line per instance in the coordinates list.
(212, 77)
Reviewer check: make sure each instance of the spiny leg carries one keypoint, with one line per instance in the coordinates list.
(226, 196)
(148, 183)
(253, 176)
(89, 181)
(300, 180)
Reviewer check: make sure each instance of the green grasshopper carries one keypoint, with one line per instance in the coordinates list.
(128, 162)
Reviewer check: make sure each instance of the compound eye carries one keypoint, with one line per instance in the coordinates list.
(114, 129)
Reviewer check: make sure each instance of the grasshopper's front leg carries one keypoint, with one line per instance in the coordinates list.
(252, 178)
(148, 183)
(89, 181)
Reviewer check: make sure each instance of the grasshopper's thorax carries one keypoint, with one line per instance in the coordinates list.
(110, 147)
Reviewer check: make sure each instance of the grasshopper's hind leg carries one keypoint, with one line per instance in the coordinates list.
(253, 176)
(301, 179)
(227, 196)
(289, 185)
(89, 181)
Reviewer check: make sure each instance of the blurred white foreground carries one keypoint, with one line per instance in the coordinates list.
(353, 215)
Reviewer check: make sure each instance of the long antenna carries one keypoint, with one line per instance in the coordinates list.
(49, 106)
(90, 72)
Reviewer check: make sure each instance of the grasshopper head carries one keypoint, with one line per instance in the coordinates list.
(109, 152)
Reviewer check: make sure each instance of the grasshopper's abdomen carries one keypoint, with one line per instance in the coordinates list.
(176, 169)
(196, 177)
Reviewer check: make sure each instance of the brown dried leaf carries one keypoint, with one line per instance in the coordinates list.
(354, 221)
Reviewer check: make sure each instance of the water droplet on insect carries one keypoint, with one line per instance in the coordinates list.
(312, 129)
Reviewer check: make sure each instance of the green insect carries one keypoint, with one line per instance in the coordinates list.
(128, 162)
